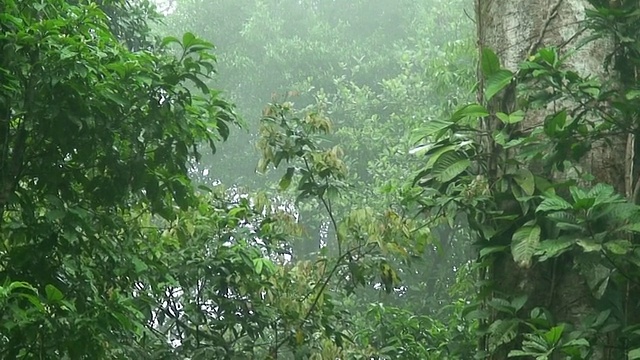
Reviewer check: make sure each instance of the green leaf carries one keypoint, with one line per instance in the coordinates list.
(223, 129)
(578, 194)
(549, 55)
(431, 129)
(53, 294)
(554, 335)
(188, 39)
(490, 62)
(512, 118)
(525, 179)
(497, 82)
(518, 302)
(469, 111)
(619, 247)
(503, 117)
(502, 332)
(634, 227)
(589, 245)
(170, 39)
(492, 249)
(139, 265)
(553, 203)
(433, 159)
(524, 244)
(286, 179)
(198, 82)
(258, 264)
(516, 116)
(553, 124)
(633, 94)
(548, 249)
(634, 354)
(454, 170)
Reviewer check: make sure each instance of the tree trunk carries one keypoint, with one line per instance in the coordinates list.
(515, 29)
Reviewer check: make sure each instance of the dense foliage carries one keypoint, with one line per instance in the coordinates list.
(391, 217)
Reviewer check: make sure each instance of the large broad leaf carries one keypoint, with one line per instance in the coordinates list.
(589, 245)
(634, 354)
(619, 247)
(548, 249)
(435, 158)
(553, 203)
(596, 274)
(431, 129)
(502, 332)
(524, 244)
(553, 124)
(470, 111)
(490, 62)
(454, 170)
(524, 178)
(496, 82)
(446, 161)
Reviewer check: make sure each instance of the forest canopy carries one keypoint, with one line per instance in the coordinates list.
(304, 179)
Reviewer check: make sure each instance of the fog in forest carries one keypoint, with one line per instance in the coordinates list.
(377, 69)
(319, 179)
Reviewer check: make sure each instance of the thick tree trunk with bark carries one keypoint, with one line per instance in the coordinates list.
(515, 29)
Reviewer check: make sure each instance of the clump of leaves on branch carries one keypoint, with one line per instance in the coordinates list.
(94, 137)
(361, 245)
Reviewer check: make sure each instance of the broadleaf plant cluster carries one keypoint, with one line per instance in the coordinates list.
(528, 193)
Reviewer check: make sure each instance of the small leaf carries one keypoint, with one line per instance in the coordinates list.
(170, 39)
(257, 264)
(549, 55)
(188, 39)
(286, 179)
(554, 335)
(516, 117)
(53, 294)
(503, 117)
(139, 265)
(619, 247)
(223, 129)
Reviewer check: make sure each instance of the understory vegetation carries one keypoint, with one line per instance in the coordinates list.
(331, 180)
